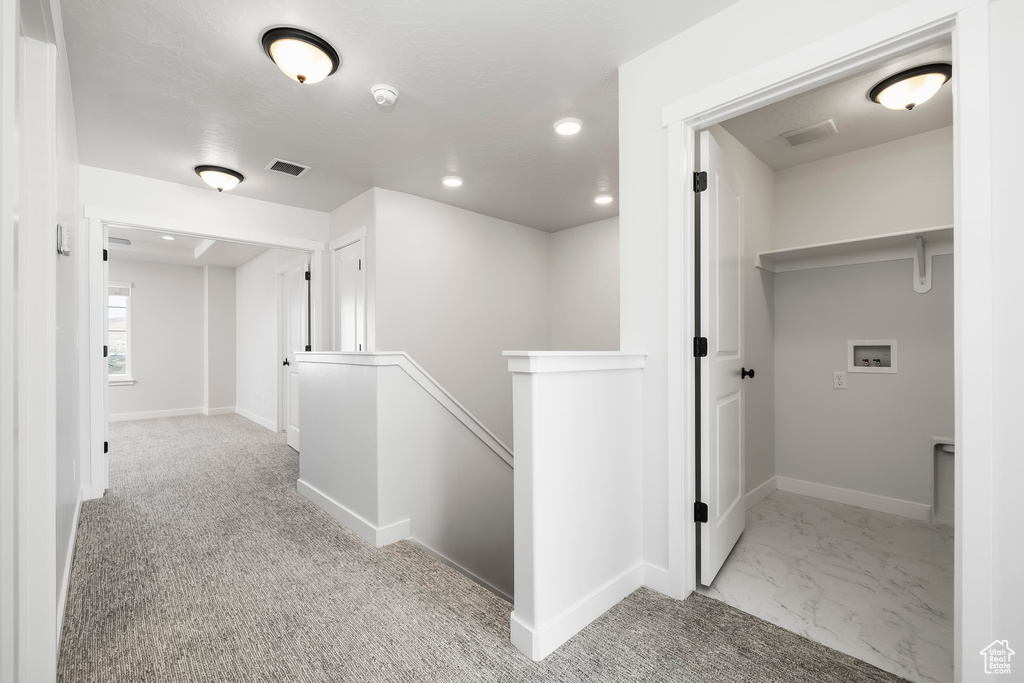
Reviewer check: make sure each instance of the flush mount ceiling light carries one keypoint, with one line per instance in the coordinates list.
(568, 126)
(603, 199)
(909, 88)
(218, 177)
(302, 56)
(168, 237)
(452, 181)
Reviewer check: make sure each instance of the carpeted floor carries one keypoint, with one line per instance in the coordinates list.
(202, 563)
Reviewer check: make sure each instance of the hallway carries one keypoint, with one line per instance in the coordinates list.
(202, 563)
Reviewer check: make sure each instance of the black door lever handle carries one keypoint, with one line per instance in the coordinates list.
(744, 373)
(285, 362)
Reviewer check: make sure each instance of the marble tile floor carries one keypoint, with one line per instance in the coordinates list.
(876, 586)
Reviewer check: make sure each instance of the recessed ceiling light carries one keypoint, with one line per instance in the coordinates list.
(909, 88)
(603, 199)
(568, 126)
(167, 237)
(219, 178)
(302, 56)
(452, 181)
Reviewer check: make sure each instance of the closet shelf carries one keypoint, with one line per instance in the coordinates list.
(890, 247)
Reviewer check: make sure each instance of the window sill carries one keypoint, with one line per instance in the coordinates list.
(127, 381)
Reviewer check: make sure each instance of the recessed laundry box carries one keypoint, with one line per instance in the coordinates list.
(871, 355)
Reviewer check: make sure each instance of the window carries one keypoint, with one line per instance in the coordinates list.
(119, 359)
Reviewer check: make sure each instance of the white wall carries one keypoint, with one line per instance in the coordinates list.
(584, 287)
(454, 289)
(758, 302)
(897, 186)
(257, 352)
(218, 339)
(166, 339)
(101, 188)
(876, 436)
(758, 32)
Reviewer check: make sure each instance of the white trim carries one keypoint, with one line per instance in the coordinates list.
(261, 421)
(230, 410)
(92, 493)
(65, 583)
(421, 377)
(901, 29)
(657, 578)
(572, 361)
(761, 491)
(538, 642)
(348, 238)
(376, 536)
(141, 221)
(149, 415)
(459, 568)
(868, 501)
(123, 382)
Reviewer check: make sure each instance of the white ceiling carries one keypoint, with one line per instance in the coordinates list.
(163, 85)
(149, 245)
(861, 122)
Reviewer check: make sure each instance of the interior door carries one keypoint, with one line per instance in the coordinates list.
(349, 298)
(294, 311)
(721, 395)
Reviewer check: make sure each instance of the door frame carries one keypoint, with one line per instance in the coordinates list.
(97, 219)
(281, 272)
(898, 31)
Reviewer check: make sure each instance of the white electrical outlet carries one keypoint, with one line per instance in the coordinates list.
(838, 380)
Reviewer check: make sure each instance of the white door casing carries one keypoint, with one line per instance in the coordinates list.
(294, 319)
(721, 397)
(349, 298)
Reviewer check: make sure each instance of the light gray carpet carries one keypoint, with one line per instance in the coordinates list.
(202, 563)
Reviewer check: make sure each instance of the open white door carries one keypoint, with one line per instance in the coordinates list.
(721, 394)
(349, 298)
(294, 312)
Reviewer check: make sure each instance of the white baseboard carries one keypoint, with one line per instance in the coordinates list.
(372, 534)
(176, 412)
(92, 492)
(65, 582)
(868, 501)
(261, 421)
(462, 570)
(537, 642)
(230, 410)
(761, 492)
(656, 578)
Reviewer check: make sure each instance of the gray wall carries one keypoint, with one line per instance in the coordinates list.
(584, 295)
(875, 436)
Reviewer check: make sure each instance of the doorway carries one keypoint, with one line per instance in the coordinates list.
(825, 295)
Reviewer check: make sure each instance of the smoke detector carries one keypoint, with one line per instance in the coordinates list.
(384, 95)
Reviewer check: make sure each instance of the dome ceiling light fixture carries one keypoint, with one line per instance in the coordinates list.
(909, 88)
(302, 56)
(219, 178)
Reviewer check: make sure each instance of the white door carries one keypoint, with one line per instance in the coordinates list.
(294, 317)
(721, 396)
(349, 298)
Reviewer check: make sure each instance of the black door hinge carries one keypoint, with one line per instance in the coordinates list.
(700, 181)
(360, 264)
(307, 274)
(104, 350)
(700, 512)
(104, 254)
(106, 446)
(700, 347)
(308, 347)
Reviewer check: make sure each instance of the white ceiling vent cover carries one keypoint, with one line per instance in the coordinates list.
(287, 167)
(817, 131)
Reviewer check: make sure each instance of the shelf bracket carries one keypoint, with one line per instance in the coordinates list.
(922, 267)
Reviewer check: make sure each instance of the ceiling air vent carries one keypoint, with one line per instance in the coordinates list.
(811, 133)
(288, 167)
